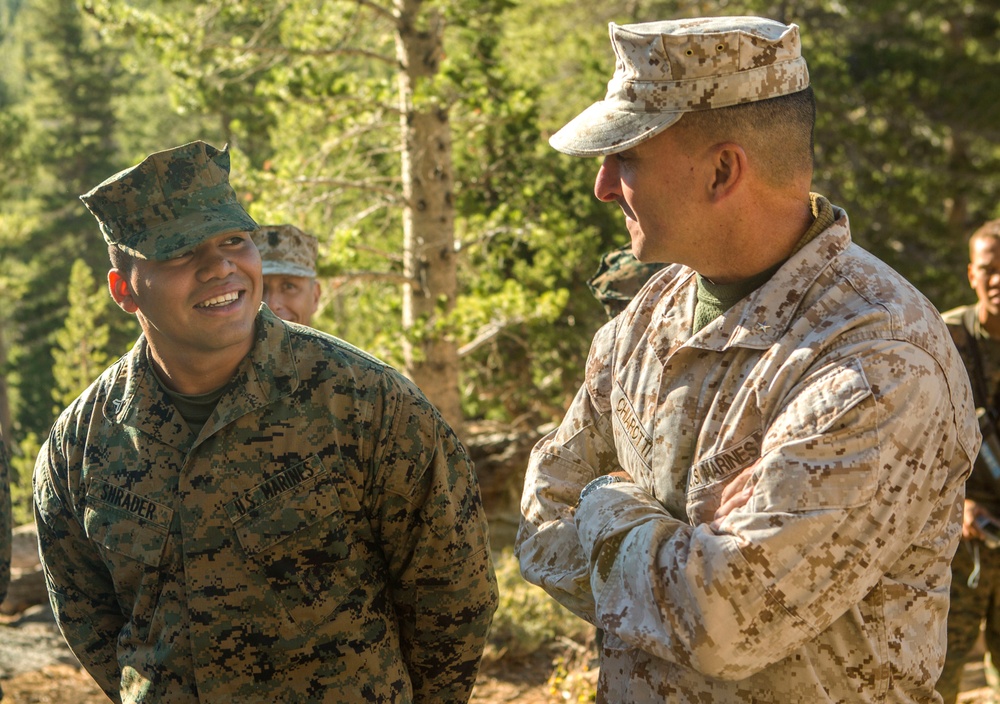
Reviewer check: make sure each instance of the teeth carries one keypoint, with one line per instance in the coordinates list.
(219, 301)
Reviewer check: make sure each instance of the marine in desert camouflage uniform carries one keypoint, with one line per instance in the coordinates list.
(757, 492)
(975, 587)
(288, 261)
(243, 510)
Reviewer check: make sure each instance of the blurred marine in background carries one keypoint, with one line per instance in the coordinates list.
(975, 584)
(288, 260)
(619, 277)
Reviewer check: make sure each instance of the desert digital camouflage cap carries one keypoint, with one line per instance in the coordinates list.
(285, 249)
(665, 69)
(170, 202)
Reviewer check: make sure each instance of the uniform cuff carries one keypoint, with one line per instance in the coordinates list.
(616, 509)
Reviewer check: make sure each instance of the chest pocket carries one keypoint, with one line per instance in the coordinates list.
(296, 527)
(131, 533)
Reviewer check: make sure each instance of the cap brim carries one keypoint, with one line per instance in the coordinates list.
(604, 129)
(176, 237)
(286, 269)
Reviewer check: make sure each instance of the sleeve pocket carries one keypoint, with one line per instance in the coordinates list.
(822, 451)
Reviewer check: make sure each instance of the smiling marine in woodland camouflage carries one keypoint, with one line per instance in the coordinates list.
(243, 510)
(757, 491)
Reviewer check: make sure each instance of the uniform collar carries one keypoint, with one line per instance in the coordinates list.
(266, 374)
(764, 317)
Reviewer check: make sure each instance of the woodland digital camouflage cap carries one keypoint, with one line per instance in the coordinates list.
(285, 249)
(170, 202)
(619, 277)
(665, 69)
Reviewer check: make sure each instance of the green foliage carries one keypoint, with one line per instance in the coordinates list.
(21, 465)
(61, 128)
(527, 618)
(305, 92)
(80, 353)
(906, 131)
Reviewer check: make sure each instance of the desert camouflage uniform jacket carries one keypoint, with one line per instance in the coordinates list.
(321, 540)
(831, 584)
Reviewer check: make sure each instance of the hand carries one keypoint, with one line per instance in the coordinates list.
(971, 511)
(603, 480)
(736, 494)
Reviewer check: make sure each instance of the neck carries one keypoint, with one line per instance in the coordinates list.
(196, 376)
(990, 323)
(766, 236)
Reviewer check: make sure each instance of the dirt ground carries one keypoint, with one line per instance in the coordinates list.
(37, 668)
(67, 684)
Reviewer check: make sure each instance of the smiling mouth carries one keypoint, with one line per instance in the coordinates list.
(218, 301)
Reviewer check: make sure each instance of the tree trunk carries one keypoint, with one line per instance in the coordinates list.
(431, 358)
(956, 203)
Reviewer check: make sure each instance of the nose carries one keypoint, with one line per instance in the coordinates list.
(607, 186)
(269, 295)
(214, 262)
(277, 307)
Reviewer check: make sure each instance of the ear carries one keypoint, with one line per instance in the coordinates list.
(120, 291)
(316, 292)
(730, 164)
(971, 275)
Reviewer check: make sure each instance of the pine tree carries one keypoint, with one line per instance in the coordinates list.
(80, 352)
(70, 84)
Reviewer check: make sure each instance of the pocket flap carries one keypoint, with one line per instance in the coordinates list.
(126, 523)
(283, 505)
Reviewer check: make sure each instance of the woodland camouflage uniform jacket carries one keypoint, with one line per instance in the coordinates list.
(321, 540)
(831, 584)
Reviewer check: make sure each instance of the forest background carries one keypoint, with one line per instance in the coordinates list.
(410, 136)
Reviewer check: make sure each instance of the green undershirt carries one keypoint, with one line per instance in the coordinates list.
(716, 299)
(195, 409)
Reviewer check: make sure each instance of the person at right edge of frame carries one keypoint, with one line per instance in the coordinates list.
(975, 586)
(6, 524)
(757, 492)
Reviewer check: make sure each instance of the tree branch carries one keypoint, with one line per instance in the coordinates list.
(487, 333)
(380, 276)
(379, 253)
(379, 10)
(336, 183)
(281, 50)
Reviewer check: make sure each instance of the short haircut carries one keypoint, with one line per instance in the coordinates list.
(120, 259)
(987, 231)
(777, 133)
